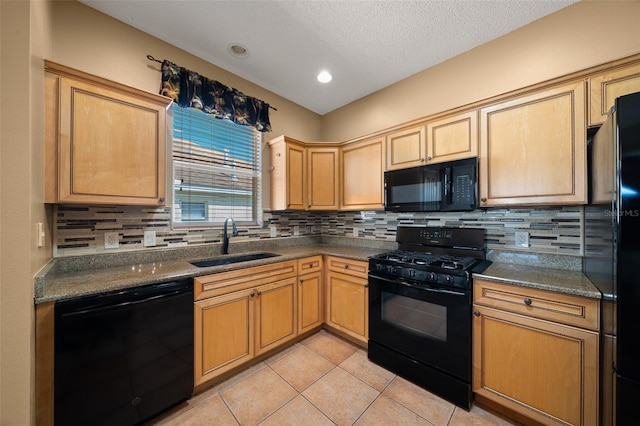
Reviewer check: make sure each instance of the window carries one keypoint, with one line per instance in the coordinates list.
(216, 170)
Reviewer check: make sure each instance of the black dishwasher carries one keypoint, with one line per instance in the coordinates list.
(122, 357)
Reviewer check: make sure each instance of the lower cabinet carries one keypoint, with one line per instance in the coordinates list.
(347, 297)
(310, 300)
(241, 314)
(527, 360)
(275, 314)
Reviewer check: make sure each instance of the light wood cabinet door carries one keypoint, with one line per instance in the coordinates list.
(323, 179)
(362, 175)
(406, 148)
(347, 297)
(543, 370)
(606, 87)
(288, 173)
(109, 146)
(453, 138)
(276, 320)
(224, 333)
(533, 149)
(309, 301)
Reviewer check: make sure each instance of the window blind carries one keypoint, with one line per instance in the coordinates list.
(216, 169)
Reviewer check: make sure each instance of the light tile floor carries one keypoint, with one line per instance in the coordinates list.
(322, 380)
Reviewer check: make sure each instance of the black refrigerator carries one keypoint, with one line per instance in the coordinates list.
(612, 256)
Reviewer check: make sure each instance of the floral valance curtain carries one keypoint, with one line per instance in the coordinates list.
(190, 89)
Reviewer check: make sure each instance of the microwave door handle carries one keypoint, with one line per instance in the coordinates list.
(447, 185)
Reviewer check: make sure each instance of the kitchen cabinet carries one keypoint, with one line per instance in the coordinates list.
(310, 292)
(303, 177)
(453, 138)
(347, 297)
(605, 87)
(406, 148)
(104, 143)
(288, 174)
(533, 149)
(323, 178)
(240, 314)
(276, 319)
(536, 352)
(362, 175)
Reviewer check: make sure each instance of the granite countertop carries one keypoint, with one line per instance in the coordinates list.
(556, 280)
(65, 278)
(57, 282)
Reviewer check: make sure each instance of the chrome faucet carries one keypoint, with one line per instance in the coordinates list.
(225, 237)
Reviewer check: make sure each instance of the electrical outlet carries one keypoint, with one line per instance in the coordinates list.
(272, 231)
(296, 230)
(355, 231)
(149, 238)
(522, 239)
(111, 240)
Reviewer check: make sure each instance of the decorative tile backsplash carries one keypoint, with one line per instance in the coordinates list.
(79, 230)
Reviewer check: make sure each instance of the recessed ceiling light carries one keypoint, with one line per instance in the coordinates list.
(324, 77)
(238, 50)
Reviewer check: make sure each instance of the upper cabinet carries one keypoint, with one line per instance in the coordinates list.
(303, 177)
(533, 149)
(288, 174)
(453, 138)
(323, 178)
(604, 88)
(361, 175)
(105, 143)
(406, 148)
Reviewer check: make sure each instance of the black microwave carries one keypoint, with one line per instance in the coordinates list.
(450, 186)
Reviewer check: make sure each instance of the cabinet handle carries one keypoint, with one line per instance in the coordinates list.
(429, 158)
(346, 266)
(277, 154)
(161, 200)
(258, 293)
(311, 265)
(476, 313)
(272, 168)
(252, 293)
(527, 301)
(301, 281)
(484, 200)
(422, 159)
(366, 285)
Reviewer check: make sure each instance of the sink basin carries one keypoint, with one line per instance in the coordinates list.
(232, 258)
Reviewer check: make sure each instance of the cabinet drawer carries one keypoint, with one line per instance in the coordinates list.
(240, 279)
(563, 308)
(347, 266)
(309, 264)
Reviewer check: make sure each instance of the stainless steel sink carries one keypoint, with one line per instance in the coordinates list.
(234, 258)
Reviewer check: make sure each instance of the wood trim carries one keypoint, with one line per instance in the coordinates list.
(45, 366)
(65, 71)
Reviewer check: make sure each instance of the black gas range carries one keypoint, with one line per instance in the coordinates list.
(420, 307)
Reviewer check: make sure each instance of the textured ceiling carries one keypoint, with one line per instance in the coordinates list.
(366, 45)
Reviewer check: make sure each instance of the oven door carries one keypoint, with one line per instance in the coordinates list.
(431, 325)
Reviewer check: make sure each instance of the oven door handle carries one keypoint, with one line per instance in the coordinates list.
(424, 287)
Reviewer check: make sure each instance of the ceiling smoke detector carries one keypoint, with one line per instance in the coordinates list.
(324, 77)
(238, 51)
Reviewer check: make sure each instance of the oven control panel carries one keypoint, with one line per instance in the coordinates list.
(419, 276)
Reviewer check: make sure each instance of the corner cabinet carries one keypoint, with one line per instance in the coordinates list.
(347, 297)
(533, 149)
(303, 177)
(362, 175)
(288, 174)
(536, 352)
(105, 143)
